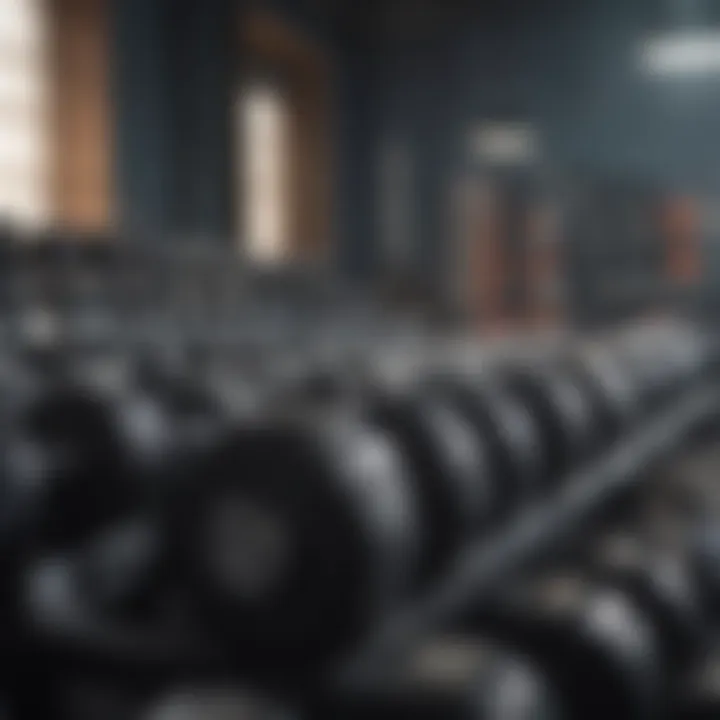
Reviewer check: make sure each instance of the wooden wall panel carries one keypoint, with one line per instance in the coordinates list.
(81, 126)
(681, 223)
(270, 43)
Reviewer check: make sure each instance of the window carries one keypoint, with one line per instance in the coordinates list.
(23, 113)
(264, 158)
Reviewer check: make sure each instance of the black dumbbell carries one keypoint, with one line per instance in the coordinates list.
(449, 471)
(294, 536)
(447, 677)
(612, 390)
(675, 515)
(661, 582)
(288, 539)
(698, 695)
(209, 702)
(656, 587)
(664, 358)
(93, 430)
(597, 648)
(446, 454)
(508, 431)
(563, 413)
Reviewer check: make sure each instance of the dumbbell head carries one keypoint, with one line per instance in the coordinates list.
(102, 437)
(698, 696)
(611, 389)
(663, 357)
(446, 456)
(562, 410)
(293, 536)
(449, 677)
(595, 646)
(85, 476)
(506, 429)
(204, 702)
(661, 584)
(448, 469)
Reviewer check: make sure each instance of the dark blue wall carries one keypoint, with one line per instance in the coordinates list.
(175, 70)
(173, 79)
(572, 67)
(427, 74)
(143, 114)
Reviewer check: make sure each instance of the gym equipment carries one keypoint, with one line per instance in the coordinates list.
(562, 411)
(203, 702)
(611, 390)
(663, 357)
(448, 469)
(474, 580)
(448, 677)
(509, 433)
(294, 536)
(596, 646)
(661, 584)
(698, 697)
(677, 516)
(447, 458)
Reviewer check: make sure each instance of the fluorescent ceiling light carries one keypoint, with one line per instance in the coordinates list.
(682, 53)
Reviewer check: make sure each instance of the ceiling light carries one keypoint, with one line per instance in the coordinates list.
(683, 53)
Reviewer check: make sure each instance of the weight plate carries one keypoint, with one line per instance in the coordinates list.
(594, 645)
(294, 536)
(448, 471)
(509, 434)
(562, 411)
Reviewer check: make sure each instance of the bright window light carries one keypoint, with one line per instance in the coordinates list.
(24, 197)
(685, 53)
(264, 152)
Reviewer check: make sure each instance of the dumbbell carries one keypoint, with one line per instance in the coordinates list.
(82, 697)
(652, 598)
(446, 456)
(612, 390)
(580, 396)
(286, 539)
(663, 358)
(661, 582)
(285, 542)
(599, 651)
(208, 702)
(508, 431)
(534, 423)
(448, 464)
(102, 425)
(447, 677)
(435, 480)
(294, 537)
(698, 697)
(245, 604)
(682, 515)
(563, 412)
(284, 479)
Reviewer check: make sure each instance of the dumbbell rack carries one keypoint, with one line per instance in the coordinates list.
(66, 634)
(70, 636)
(480, 570)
